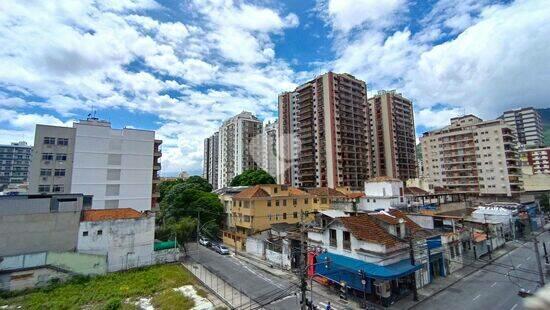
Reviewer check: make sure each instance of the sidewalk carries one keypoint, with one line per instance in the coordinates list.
(441, 284)
(265, 265)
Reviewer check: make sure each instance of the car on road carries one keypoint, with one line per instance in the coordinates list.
(204, 241)
(221, 249)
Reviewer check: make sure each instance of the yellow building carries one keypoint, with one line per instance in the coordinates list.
(256, 208)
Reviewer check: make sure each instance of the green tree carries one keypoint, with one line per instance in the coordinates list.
(544, 202)
(165, 186)
(252, 177)
(183, 230)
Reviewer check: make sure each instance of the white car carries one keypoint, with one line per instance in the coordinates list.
(221, 249)
(204, 241)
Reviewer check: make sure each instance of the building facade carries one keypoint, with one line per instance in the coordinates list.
(15, 160)
(155, 191)
(473, 156)
(538, 159)
(210, 163)
(114, 165)
(323, 133)
(240, 142)
(270, 148)
(527, 124)
(392, 136)
(125, 236)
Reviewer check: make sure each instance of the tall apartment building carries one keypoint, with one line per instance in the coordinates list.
(270, 148)
(323, 133)
(114, 165)
(473, 156)
(240, 143)
(210, 164)
(155, 191)
(527, 124)
(14, 163)
(538, 159)
(392, 135)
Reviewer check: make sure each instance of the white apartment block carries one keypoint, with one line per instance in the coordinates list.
(527, 124)
(473, 156)
(210, 164)
(114, 165)
(270, 147)
(240, 143)
(537, 159)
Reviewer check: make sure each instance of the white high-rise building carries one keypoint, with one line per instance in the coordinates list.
(270, 147)
(114, 165)
(527, 124)
(239, 148)
(210, 164)
(473, 156)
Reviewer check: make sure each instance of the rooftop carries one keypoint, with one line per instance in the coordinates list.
(382, 179)
(325, 192)
(109, 215)
(363, 227)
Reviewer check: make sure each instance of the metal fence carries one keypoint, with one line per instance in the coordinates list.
(233, 297)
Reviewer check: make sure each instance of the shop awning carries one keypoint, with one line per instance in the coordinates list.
(374, 271)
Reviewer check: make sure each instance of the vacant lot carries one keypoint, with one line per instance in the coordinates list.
(109, 291)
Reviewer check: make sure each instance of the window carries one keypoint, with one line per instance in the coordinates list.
(269, 203)
(112, 189)
(294, 201)
(284, 202)
(452, 252)
(113, 174)
(59, 172)
(57, 188)
(314, 200)
(284, 216)
(85, 233)
(43, 188)
(276, 203)
(270, 217)
(347, 241)
(398, 230)
(275, 189)
(332, 235)
(61, 156)
(323, 200)
(45, 172)
(47, 156)
(49, 140)
(100, 232)
(306, 201)
(295, 215)
(62, 141)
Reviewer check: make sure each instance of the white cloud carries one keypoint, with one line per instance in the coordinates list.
(434, 119)
(344, 15)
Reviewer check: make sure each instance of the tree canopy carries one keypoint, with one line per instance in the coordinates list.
(252, 177)
(190, 197)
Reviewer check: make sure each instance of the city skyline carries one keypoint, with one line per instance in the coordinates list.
(241, 55)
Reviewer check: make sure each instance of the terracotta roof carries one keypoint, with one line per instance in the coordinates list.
(325, 192)
(364, 228)
(252, 192)
(292, 191)
(412, 226)
(109, 214)
(386, 218)
(382, 179)
(356, 195)
(413, 190)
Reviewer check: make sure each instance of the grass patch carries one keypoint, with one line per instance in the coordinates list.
(104, 291)
(170, 299)
(202, 293)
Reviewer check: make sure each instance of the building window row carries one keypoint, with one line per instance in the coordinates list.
(60, 141)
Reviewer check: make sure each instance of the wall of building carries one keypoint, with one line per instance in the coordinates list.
(38, 224)
(15, 160)
(127, 243)
(81, 263)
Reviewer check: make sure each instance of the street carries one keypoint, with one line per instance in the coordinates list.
(490, 288)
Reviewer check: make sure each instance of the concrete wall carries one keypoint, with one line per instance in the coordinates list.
(25, 279)
(86, 264)
(127, 243)
(27, 226)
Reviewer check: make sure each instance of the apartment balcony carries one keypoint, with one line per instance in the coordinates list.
(156, 181)
(465, 154)
(459, 147)
(156, 167)
(157, 154)
(155, 195)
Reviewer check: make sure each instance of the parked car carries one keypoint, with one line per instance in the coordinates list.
(204, 241)
(221, 249)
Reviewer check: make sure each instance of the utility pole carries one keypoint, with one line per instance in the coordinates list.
(539, 263)
(411, 251)
(303, 254)
(198, 232)
(488, 233)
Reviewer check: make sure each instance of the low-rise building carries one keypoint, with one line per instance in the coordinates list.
(256, 208)
(383, 193)
(369, 253)
(125, 236)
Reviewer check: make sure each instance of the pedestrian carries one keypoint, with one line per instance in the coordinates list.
(328, 306)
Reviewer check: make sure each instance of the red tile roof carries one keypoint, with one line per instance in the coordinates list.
(252, 192)
(109, 214)
(365, 228)
(325, 192)
(354, 195)
(413, 190)
(410, 224)
(386, 218)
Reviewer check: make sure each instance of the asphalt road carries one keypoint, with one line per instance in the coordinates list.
(254, 282)
(487, 289)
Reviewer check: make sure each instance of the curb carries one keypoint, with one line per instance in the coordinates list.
(265, 267)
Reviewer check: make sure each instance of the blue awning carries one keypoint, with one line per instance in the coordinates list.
(352, 265)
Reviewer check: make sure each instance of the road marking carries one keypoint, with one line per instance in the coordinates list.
(494, 284)
(528, 258)
(514, 307)
(518, 266)
(476, 297)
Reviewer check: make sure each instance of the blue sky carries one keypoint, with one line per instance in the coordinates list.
(182, 67)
